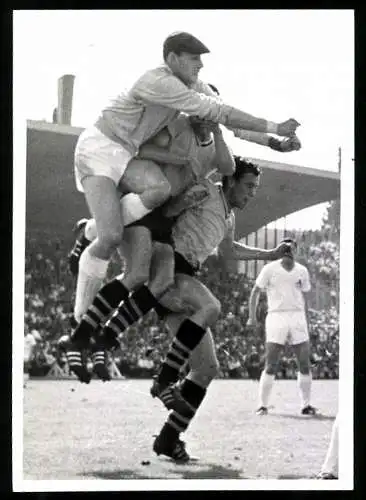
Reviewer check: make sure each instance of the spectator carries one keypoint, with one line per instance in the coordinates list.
(49, 295)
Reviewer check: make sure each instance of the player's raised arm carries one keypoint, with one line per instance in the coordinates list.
(169, 91)
(233, 250)
(176, 86)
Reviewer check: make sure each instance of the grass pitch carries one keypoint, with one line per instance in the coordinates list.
(105, 431)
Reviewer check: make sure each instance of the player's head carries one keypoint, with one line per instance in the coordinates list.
(201, 130)
(290, 255)
(182, 53)
(240, 187)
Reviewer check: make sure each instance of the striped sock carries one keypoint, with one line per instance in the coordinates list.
(107, 299)
(194, 395)
(133, 308)
(187, 338)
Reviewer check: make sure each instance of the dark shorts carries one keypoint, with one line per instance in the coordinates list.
(161, 231)
(182, 265)
(160, 226)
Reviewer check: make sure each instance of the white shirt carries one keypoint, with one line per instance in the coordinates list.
(284, 288)
(29, 343)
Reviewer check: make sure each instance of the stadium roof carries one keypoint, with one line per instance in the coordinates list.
(53, 204)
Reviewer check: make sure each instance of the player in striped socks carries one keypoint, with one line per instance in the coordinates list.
(141, 301)
(204, 152)
(204, 366)
(104, 150)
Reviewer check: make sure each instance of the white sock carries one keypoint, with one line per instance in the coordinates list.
(304, 385)
(132, 208)
(90, 230)
(330, 464)
(92, 271)
(265, 388)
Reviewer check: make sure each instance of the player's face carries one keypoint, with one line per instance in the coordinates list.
(291, 255)
(243, 190)
(187, 67)
(199, 127)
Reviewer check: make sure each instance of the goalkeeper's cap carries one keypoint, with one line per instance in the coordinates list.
(182, 41)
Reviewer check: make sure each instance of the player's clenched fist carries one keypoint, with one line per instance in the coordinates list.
(285, 145)
(287, 128)
(291, 144)
(281, 250)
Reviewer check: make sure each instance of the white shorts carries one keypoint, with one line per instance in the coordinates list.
(97, 155)
(286, 326)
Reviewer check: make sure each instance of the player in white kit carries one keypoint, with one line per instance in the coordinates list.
(285, 282)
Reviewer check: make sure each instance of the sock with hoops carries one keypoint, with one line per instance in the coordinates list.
(133, 308)
(193, 394)
(187, 338)
(107, 299)
(99, 360)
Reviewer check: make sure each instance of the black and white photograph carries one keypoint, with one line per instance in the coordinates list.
(183, 250)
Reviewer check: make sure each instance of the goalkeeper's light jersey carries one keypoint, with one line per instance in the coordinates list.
(156, 98)
(200, 229)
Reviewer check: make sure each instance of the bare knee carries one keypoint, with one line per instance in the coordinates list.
(273, 352)
(110, 239)
(204, 375)
(136, 278)
(161, 284)
(303, 358)
(162, 269)
(157, 194)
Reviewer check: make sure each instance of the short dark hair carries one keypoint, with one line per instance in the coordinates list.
(242, 167)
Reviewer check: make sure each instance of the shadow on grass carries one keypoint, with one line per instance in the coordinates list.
(211, 471)
(304, 417)
(207, 471)
(293, 476)
(119, 474)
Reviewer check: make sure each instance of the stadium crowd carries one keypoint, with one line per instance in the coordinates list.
(49, 296)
